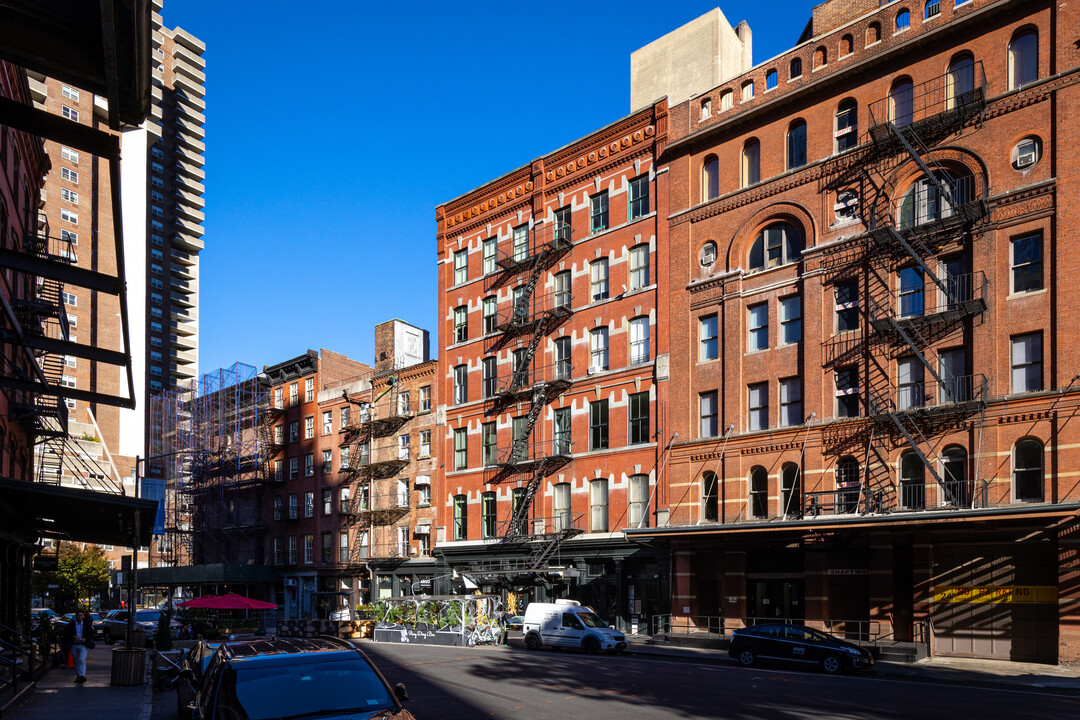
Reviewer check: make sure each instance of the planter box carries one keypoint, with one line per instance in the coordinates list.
(422, 634)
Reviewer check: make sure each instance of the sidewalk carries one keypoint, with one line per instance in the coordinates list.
(936, 669)
(57, 695)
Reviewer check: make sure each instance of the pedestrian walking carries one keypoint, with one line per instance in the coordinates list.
(78, 637)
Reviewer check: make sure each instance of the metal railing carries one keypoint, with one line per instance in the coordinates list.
(961, 91)
(963, 294)
(524, 312)
(547, 236)
(717, 627)
(930, 395)
(906, 497)
(520, 382)
(561, 522)
(526, 452)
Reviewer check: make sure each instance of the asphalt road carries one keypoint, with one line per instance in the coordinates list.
(494, 682)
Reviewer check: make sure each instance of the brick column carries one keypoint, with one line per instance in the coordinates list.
(816, 565)
(881, 582)
(734, 586)
(682, 583)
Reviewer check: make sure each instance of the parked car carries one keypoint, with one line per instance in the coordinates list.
(293, 677)
(189, 682)
(63, 622)
(115, 624)
(567, 623)
(797, 644)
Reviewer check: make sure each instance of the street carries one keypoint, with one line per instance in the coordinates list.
(452, 683)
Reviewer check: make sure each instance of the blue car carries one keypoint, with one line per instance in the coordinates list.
(799, 645)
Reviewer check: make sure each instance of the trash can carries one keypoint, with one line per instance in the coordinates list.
(128, 666)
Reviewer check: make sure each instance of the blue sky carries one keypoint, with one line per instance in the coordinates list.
(332, 133)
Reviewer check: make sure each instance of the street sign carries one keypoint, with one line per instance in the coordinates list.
(46, 563)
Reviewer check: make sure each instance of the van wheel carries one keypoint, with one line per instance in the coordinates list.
(532, 642)
(590, 645)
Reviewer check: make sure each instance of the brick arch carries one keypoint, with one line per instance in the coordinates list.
(948, 157)
(739, 247)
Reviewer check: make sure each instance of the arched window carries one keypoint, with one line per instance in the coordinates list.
(912, 481)
(873, 33)
(900, 103)
(759, 493)
(748, 90)
(924, 202)
(791, 493)
(770, 80)
(560, 493)
(709, 497)
(1028, 471)
(751, 163)
(847, 485)
(931, 9)
(710, 178)
(957, 489)
(903, 20)
(821, 57)
(847, 125)
(796, 145)
(778, 244)
(795, 69)
(706, 108)
(1023, 59)
(960, 82)
(846, 45)
(727, 100)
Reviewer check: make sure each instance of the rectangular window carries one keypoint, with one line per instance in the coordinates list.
(488, 444)
(911, 292)
(309, 390)
(1027, 374)
(403, 492)
(277, 398)
(70, 298)
(309, 548)
(425, 443)
(69, 92)
(846, 295)
(758, 406)
(598, 279)
(598, 349)
(461, 267)
(639, 266)
(639, 197)
(346, 413)
(279, 472)
(278, 508)
(598, 211)
(598, 505)
(598, 425)
(790, 320)
(461, 324)
(309, 427)
(294, 394)
(309, 464)
(327, 461)
(1027, 263)
(70, 155)
(327, 422)
(563, 296)
(491, 319)
(70, 175)
(69, 237)
(561, 435)
(708, 334)
(69, 216)
(327, 548)
(638, 515)
(489, 376)
(461, 384)
(563, 227)
(343, 461)
(425, 398)
(791, 408)
(709, 414)
(423, 494)
(847, 391)
(69, 196)
(343, 546)
(521, 243)
(461, 517)
(639, 418)
(294, 507)
(309, 504)
(461, 449)
(563, 367)
(489, 256)
(639, 340)
(487, 515)
(910, 389)
(294, 468)
(294, 431)
(404, 446)
(69, 113)
(292, 550)
(759, 327)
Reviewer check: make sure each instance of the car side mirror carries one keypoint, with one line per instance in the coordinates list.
(401, 693)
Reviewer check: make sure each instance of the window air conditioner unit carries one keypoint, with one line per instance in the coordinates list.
(1025, 159)
(593, 369)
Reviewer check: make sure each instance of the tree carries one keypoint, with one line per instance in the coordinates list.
(83, 570)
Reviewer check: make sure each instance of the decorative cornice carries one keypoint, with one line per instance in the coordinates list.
(1025, 417)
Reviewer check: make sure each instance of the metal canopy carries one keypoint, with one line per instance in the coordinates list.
(76, 514)
(102, 47)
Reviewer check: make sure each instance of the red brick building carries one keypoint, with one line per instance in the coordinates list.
(871, 376)
(548, 282)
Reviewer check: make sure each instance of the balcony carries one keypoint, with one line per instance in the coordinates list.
(514, 386)
(192, 72)
(544, 244)
(194, 129)
(377, 469)
(188, 243)
(188, 88)
(929, 110)
(189, 212)
(524, 316)
(927, 214)
(960, 395)
(180, 257)
(195, 172)
(386, 417)
(383, 508)
(187, 342)
(560, 526)
(904, 497)
(191, 147)
(189, 228)
(926, 305)
(194, 59)
(544, 457)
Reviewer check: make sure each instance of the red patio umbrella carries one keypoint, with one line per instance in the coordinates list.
(228, 601)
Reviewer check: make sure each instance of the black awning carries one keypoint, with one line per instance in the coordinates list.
(76, 514)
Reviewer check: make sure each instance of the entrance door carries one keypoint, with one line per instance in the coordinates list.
(774, 599)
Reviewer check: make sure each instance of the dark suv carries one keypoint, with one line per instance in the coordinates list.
(292, 678)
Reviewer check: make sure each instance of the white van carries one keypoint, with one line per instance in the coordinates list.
(566, 623)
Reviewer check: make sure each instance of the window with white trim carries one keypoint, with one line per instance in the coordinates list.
(70, 175)
(1027, 354)
(639, 266)
(70, 155)
(598, 349)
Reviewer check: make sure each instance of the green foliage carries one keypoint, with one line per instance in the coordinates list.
(82, 571)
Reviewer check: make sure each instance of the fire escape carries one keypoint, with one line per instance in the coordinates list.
(922, 294)
(376, 458)
(529, 320)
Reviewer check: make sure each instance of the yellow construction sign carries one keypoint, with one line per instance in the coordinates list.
(1016, 594)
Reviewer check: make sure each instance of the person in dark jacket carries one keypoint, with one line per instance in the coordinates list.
(163, 634)
(78, 637)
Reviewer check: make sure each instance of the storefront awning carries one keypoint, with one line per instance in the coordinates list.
(67, 513)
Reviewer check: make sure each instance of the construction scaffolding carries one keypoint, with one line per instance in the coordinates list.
(210, 443)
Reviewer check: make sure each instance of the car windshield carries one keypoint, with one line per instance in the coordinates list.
(592, 620)
(147, 615)
(309, 689)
